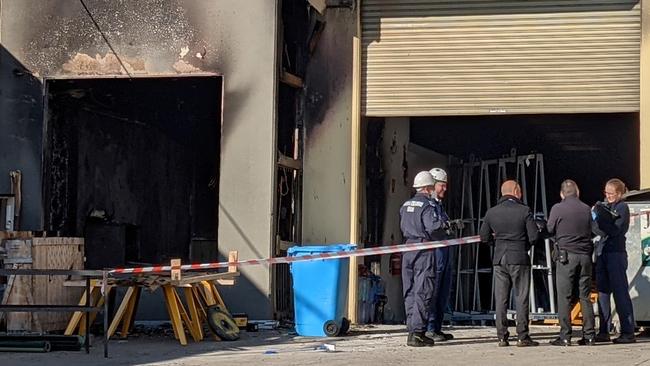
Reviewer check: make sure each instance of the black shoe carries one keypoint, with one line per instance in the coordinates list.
(560, 342)
(419, 340)
(624, 338)
(602, 338)
(503, 343)
(587, 342)
(527, 342)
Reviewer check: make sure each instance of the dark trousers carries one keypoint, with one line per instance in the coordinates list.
(611, 278)
(417, 283)
(575, 275)
(441, 289)
(507, 276)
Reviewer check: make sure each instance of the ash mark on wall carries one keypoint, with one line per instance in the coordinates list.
(83, 64)
(148, 35)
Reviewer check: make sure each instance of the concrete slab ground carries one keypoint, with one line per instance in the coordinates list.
(377, 345)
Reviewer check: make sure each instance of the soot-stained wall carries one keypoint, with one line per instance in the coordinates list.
(148, 159)
(56, 38)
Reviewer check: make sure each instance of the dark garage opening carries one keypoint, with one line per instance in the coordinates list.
(132, 165)
(588, 148)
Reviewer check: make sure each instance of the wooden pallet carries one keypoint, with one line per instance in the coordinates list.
(27, 252)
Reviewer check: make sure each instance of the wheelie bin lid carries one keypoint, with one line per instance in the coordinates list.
(312, 249)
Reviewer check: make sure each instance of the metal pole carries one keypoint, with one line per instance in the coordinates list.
(549, 264)
(105, 295)
(87, 312)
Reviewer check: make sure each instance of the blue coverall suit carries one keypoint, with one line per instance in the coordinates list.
(418, 225)
(442, 267)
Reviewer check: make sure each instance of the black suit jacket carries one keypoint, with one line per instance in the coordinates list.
(510, 226)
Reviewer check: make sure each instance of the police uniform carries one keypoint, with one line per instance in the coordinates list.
(611, 272)
(442, 266)
(417, 221)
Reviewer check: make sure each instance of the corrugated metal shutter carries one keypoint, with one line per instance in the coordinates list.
(462, 57)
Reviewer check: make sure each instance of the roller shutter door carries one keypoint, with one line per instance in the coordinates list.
(469, 57)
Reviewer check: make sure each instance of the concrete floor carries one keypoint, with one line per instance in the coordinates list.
(377, 345)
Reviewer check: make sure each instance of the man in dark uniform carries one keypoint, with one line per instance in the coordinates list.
(418, 225)
(570, 223)
(510, 226)
(442, 260)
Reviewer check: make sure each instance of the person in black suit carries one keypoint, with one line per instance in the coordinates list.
(510, 227)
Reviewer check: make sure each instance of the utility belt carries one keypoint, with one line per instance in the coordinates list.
(559, 255)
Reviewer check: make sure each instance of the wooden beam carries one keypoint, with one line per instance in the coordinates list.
(207, 293)
(121, 311)
(644, 115)
(291, 80)
(193, 310)
(315, 36)
(287, 162)
(233, 257)
(175, 313)
(185, 317)
(130, 313)
(176, 269)
(355, 171)
(16, 235)
(319, 5)
(209, 277)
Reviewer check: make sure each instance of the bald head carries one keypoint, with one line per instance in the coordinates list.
(511, 188)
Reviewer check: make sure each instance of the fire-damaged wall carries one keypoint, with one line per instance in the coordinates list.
(153, 38)
(143, 163)
(326, 187)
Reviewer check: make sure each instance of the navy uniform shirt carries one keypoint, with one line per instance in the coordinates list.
(570, 223)
(615, 228)
(418, 219)
(440, 219)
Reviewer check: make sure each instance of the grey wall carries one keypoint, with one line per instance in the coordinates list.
(326, 188)
(47, 38)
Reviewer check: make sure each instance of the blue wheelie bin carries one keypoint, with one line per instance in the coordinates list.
(320, 291)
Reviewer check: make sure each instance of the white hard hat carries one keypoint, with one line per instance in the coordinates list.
(423, 179)
(439, 175)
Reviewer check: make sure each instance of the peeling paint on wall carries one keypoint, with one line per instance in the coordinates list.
(83, 64)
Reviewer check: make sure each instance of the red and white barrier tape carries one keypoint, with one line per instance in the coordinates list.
(331, 255)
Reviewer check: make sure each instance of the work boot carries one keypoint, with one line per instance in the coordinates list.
(560, 342)
(439, 336)
(527, 342)
(504, 342)
(587, 342)
(418, 339)
(602, 338)
(625, 338)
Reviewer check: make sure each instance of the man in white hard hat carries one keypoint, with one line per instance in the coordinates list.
(417, 224)
(441, 260)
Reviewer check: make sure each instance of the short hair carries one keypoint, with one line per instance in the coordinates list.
(569, 188)
(617, 184)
